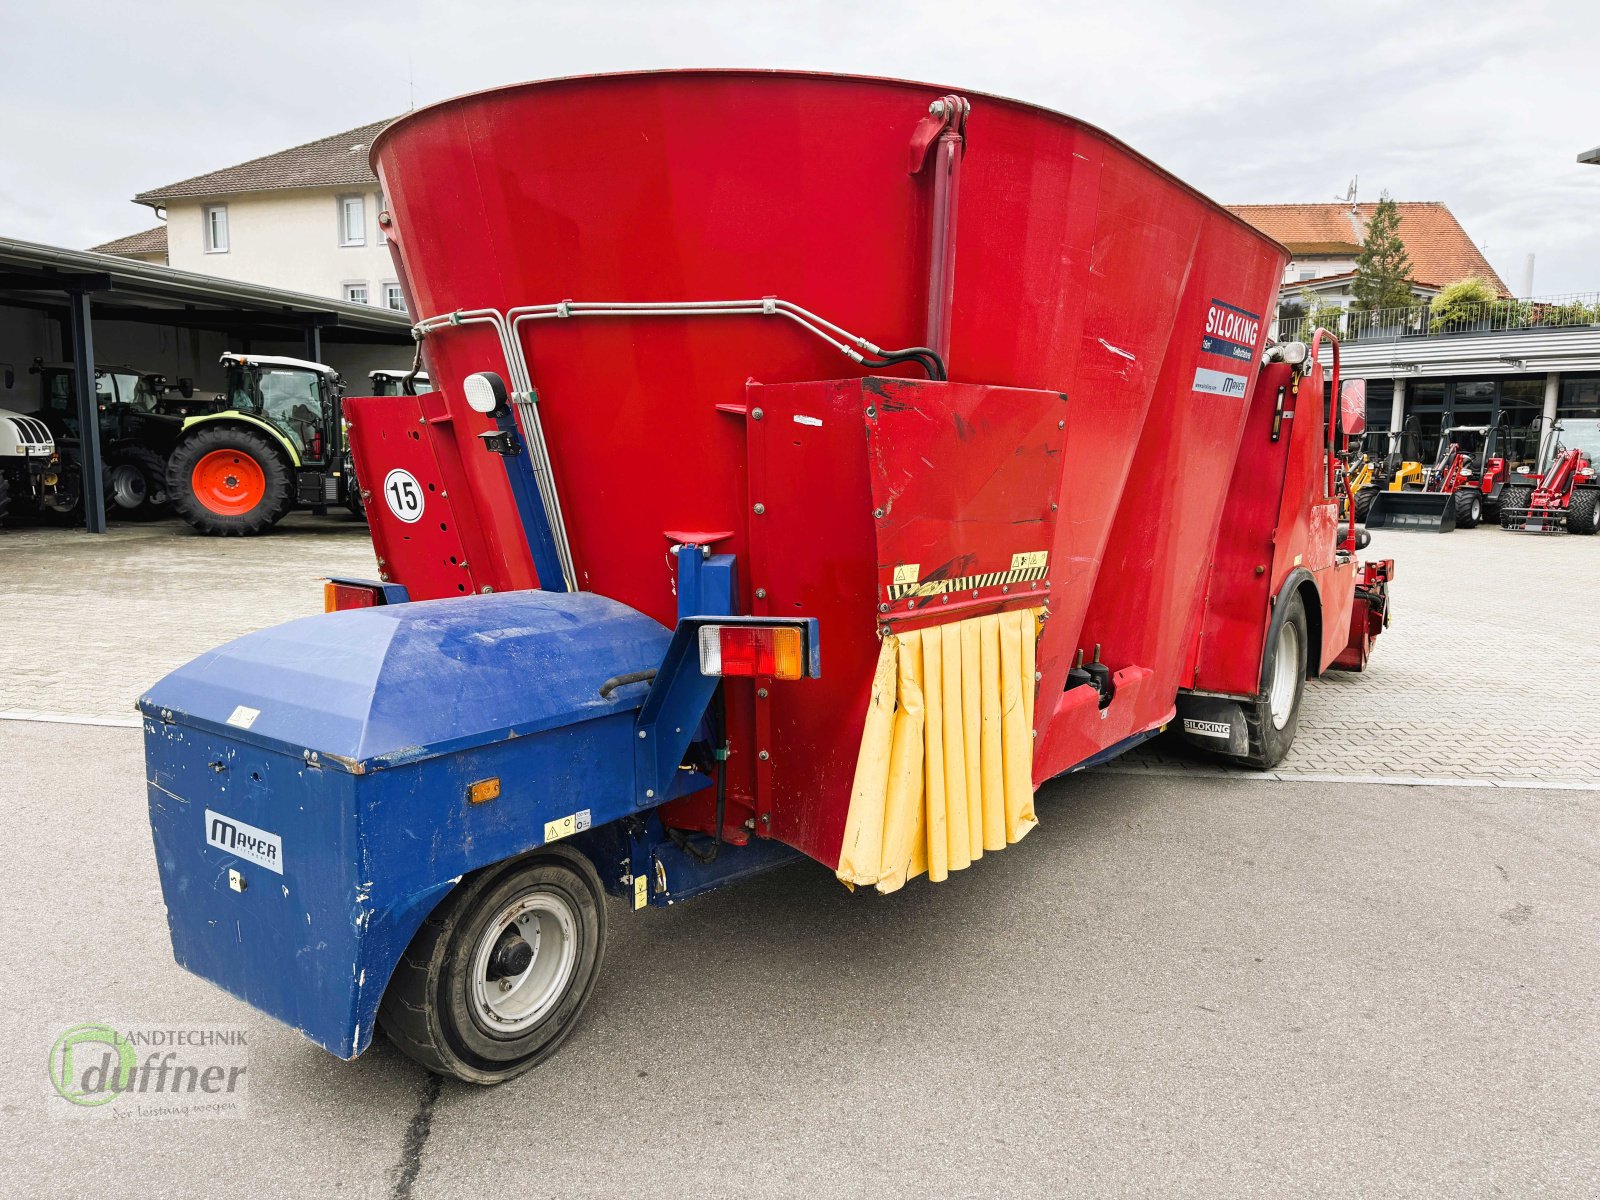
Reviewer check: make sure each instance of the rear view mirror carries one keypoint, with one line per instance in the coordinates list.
(1353, 407)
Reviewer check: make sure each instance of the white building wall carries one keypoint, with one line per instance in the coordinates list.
(287, 239)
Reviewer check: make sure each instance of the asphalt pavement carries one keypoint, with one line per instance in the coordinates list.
(1177, 986)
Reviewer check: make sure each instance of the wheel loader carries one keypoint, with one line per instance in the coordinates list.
(1563, 495)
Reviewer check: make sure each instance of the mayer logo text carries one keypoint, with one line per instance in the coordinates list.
(246, 841)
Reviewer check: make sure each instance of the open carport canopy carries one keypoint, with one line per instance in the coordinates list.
(86, 287)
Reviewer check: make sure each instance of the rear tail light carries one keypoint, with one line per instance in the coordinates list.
(337, 597)
(777, 651)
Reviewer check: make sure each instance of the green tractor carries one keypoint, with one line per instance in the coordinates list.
(276, 443)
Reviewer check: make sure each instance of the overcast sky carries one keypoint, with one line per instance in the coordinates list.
(1483, 106)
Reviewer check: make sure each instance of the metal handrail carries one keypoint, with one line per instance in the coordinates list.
(1561, 311)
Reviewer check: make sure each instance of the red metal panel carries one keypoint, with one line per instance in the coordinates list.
(464, 537)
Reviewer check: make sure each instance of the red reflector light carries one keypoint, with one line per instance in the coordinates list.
(777, 651)
(336, 597)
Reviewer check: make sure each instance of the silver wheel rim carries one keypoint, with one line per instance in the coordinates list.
(127, 486)
(546, 921)
(1285, 666)
(1476, 507)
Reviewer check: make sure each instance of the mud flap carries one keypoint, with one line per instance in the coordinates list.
(1213, 724)
(1427, 512)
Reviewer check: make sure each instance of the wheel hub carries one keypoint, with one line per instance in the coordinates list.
(1285, 668)
(523, 962)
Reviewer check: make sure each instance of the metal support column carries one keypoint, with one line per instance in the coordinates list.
(90, 460)
(1397, 410)
(314, 343)
(1552, 394)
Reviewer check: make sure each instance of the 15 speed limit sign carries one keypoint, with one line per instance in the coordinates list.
(404, 495)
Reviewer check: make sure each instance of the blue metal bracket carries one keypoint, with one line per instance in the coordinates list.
(506, 441)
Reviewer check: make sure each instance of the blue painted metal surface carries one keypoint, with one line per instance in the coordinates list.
(530, 507)
(353, 740)
(309, 784)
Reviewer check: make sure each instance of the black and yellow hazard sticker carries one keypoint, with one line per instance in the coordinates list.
(1025, 568)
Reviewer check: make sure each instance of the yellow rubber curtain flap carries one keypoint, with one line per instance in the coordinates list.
(946, 764)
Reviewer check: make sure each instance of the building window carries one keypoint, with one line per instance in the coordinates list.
(352, 221)
(355, 293)
(393, 297)
(216, 228)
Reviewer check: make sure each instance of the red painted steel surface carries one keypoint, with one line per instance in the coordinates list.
(453, 545)
(1080, 270)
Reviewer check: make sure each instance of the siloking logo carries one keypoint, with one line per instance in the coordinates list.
(1231, 332)
(150, 1070)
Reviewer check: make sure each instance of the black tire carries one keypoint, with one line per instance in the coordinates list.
(1583, 515)
(276, 495)
(1469, 508)
(429, 1010)
(1270, 737)
(352, 495)
(1364, 499)
(1514, 503)
(5, 497)
(136, 483)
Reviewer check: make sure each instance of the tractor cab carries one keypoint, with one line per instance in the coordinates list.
(299, 399)
(399, 383)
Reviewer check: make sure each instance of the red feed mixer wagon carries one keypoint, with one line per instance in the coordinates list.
(818, 466)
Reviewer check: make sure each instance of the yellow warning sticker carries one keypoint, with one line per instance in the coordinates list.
(908, 573)
(1029, 560)
(566, 826)
(641, 892)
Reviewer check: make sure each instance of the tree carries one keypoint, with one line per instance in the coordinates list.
(1383, 268)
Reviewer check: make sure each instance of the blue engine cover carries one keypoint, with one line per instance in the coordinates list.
(326, 764)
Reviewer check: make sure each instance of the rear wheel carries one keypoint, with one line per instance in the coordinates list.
(1272, 719)
(136, 483)
(1469, 508)
(1514, 507)
(1583, 515)
(5, 497)
(496, 977)
(229, 481)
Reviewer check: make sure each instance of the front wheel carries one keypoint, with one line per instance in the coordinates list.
(1469, 507)
(1514, 503)
(1272, 718)
(496, 977)
(1364, 499)
(136, 483)
(1583, 515)
(229, 481)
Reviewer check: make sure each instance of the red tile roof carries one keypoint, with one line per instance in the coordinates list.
(337, 161)
(149, 241)
(1440, 250)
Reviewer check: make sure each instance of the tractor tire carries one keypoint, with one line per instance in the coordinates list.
(229, 482)
(1514, 503)
(136, 483)
(463, 1004)
(1583, 514)
(5, 497)
(1364, 499)
(1273, 717)
(352, 497)
(1469, 508)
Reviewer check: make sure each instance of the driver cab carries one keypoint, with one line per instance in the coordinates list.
(295, 397)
